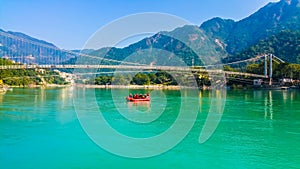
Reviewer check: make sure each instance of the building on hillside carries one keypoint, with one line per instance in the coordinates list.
(42, 71)
(286, 82)
(257, 82)
(67, 76)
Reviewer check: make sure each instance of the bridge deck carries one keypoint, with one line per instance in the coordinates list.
(164, 68)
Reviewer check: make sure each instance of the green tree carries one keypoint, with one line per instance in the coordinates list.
(120, 80)
(141, 79)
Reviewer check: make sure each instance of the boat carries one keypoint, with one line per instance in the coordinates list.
(284, 88)
(138, 98)
(131, 99)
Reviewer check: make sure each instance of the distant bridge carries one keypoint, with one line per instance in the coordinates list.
(163, 68)
(53, 62)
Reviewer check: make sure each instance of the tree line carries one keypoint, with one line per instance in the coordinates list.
(152, 78)
(280, 70)
(27, 77)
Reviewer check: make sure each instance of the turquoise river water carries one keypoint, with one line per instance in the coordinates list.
(39, 128)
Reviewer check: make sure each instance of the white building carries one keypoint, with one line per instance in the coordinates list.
(67, 76)
(257, 82)
(286, 81)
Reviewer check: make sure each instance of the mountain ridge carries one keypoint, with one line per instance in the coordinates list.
(267, 21)
(20, 47)
(228, 38)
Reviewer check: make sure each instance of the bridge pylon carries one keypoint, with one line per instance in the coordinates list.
(271, 70)
(270, 57)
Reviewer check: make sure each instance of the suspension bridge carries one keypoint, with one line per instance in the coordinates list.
(44, 50)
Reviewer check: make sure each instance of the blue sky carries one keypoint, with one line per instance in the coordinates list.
(69, 23)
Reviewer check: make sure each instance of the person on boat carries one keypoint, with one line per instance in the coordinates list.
(130, 95)
(144, 96)
(141, 96)
(135, 96)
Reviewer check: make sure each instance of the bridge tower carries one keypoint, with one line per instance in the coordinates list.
(270, 57)
(271, 69)
(266, 66)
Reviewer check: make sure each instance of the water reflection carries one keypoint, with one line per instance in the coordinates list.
(37, 104)
(201, 101)
(65, 95)
(275, 99)
(64, 109)
(216, 109)
(141, 106)
(269, 105)
(1, 99)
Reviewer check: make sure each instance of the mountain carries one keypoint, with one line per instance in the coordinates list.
(230, 40)
(269, 20)
(272, 27)
(187, 45)
(21, 48)
(219, 28)
(285, 45)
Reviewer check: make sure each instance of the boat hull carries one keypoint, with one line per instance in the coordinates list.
(130, 99)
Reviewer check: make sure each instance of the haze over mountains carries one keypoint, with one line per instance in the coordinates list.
(272, 29)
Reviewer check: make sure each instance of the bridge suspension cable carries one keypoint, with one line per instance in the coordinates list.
(66, 51)
(56, 51)
(236, 62)
(23, 40)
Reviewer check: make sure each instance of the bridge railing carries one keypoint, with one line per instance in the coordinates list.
(164, 68)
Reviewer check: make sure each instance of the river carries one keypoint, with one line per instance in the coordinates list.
(39, 128)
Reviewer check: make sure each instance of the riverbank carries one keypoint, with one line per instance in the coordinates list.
(171, 87)
(150, 87)
(129, 86)
(41, 86)
(3, 88)
(153, 87)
